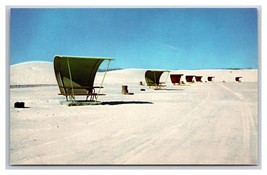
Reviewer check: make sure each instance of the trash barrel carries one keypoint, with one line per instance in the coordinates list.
(124, 90)
(19, 105)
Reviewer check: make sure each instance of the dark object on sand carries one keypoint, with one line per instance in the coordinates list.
(19, 105)
(210, 78)
(176, 79)
(237, 79)
(189, 78)
(124, 89)
(198, 78)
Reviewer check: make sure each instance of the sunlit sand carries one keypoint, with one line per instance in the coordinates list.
(196, 123)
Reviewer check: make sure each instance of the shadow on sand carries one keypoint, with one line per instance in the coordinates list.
(124, 102)
(169, 89)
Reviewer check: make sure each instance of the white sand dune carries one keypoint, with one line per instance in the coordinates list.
(43, 73)
(200, 123)
(32, 73)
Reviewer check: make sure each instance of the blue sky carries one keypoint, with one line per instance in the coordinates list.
(154, 38)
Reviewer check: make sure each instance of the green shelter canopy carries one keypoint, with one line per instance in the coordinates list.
(152, 77)
(75, 75)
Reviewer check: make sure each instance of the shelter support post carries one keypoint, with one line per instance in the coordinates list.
(103, 79)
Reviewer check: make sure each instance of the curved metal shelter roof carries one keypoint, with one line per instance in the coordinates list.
(189, 78)
(76, 74)
(176, 78)
(152, 77)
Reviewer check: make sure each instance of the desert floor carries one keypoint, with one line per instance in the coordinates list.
(199, 123)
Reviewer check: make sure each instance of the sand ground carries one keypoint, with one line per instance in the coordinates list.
(201, 123)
